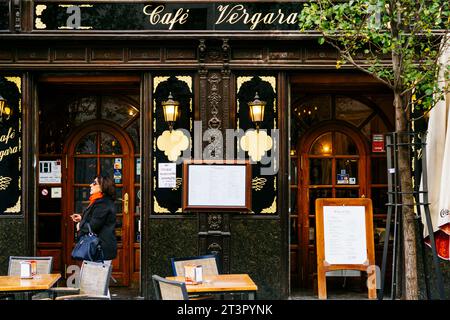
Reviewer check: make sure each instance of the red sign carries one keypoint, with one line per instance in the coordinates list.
(378, 143)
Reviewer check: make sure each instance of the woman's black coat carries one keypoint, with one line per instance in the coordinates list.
(101, 216)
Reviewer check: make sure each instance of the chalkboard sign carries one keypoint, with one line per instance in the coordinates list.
(344, 228)
(216, 186)
(10, 147)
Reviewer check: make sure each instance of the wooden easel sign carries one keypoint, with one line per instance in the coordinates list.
(344, 229)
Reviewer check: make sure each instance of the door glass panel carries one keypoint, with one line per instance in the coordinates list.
(351, 110)
(347, 193)
(379, 172)
(379, 200)
(294, 238)
(48, 204)
(82, 110)
(81, 199)
(314, 110)
(119, 200)
(137, 200)
(118, 230)
(114, 109)
(375, 126)
(294, 171)
(347, 171)
(133, 131)
(85, 170)
(344, 145)
(49, 228)
(322, 145)
(320, 171)
(87, 144)
(109, 144)
(317, 193)
(137, 170)
(137, 234)
(107, 166)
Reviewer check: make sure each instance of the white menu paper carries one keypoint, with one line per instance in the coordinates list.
(217, 185)
(345, 234)
(167, 175)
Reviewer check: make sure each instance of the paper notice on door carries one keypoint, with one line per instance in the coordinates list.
(167, 175)
(50, 172)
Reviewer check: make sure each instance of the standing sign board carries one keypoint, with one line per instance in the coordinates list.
(217, 186)
(344, 228)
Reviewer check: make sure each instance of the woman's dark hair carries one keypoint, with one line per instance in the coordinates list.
(107, 185)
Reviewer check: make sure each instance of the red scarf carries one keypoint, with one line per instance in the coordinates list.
(95, 196)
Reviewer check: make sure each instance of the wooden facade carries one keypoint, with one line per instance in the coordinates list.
(272, 244)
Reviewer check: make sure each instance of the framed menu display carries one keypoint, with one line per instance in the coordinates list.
(217, 185)
(345, 240)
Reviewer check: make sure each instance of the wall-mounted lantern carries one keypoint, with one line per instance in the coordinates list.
(172, 142)
(256, 143)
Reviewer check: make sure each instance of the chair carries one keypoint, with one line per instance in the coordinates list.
(44, 265)
(93, 284)
(209, 265)
(169, 289)
(208, 262)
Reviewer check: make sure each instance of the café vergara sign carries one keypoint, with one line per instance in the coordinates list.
(226, 14)
(168, 16)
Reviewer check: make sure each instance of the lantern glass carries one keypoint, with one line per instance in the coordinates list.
(170, 108)
(170, 112)
(257, 109)
(257, 112)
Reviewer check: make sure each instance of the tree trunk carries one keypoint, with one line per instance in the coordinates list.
(408, 226)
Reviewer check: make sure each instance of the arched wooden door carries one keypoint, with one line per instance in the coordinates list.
(333, 164)
(101, 147)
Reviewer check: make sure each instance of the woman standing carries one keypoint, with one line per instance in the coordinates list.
(101, 216)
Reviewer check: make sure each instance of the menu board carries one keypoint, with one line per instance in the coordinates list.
(219, 186)
(345, 234)
(344, 229)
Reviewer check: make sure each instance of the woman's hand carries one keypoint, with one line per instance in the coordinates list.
(76, 217)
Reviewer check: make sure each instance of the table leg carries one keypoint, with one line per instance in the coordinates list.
(251, 295)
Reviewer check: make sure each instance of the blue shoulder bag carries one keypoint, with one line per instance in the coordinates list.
(88, 247)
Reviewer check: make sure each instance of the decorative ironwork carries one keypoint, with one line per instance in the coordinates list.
(258, 183)
(214, 221)
(4, 182)
(16, 208)
(272, 208)
(215, 248)
(179, 181)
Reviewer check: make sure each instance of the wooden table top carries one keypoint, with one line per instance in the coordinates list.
(221, 283)
(39, 282)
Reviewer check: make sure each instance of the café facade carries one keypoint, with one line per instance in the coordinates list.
(85, 83)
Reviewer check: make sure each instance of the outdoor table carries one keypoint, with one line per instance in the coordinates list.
(39, 282)
(222, 283)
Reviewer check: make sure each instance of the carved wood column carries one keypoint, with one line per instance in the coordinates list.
(214, 74)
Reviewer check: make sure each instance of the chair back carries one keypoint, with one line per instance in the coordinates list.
(94, 278)
(208, 262)
(44, 265)
(169, 289)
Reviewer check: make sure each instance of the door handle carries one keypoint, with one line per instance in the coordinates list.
(125, 203)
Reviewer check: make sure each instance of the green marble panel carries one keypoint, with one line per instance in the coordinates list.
(12, 241)
(169, 237)
(256, 250)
